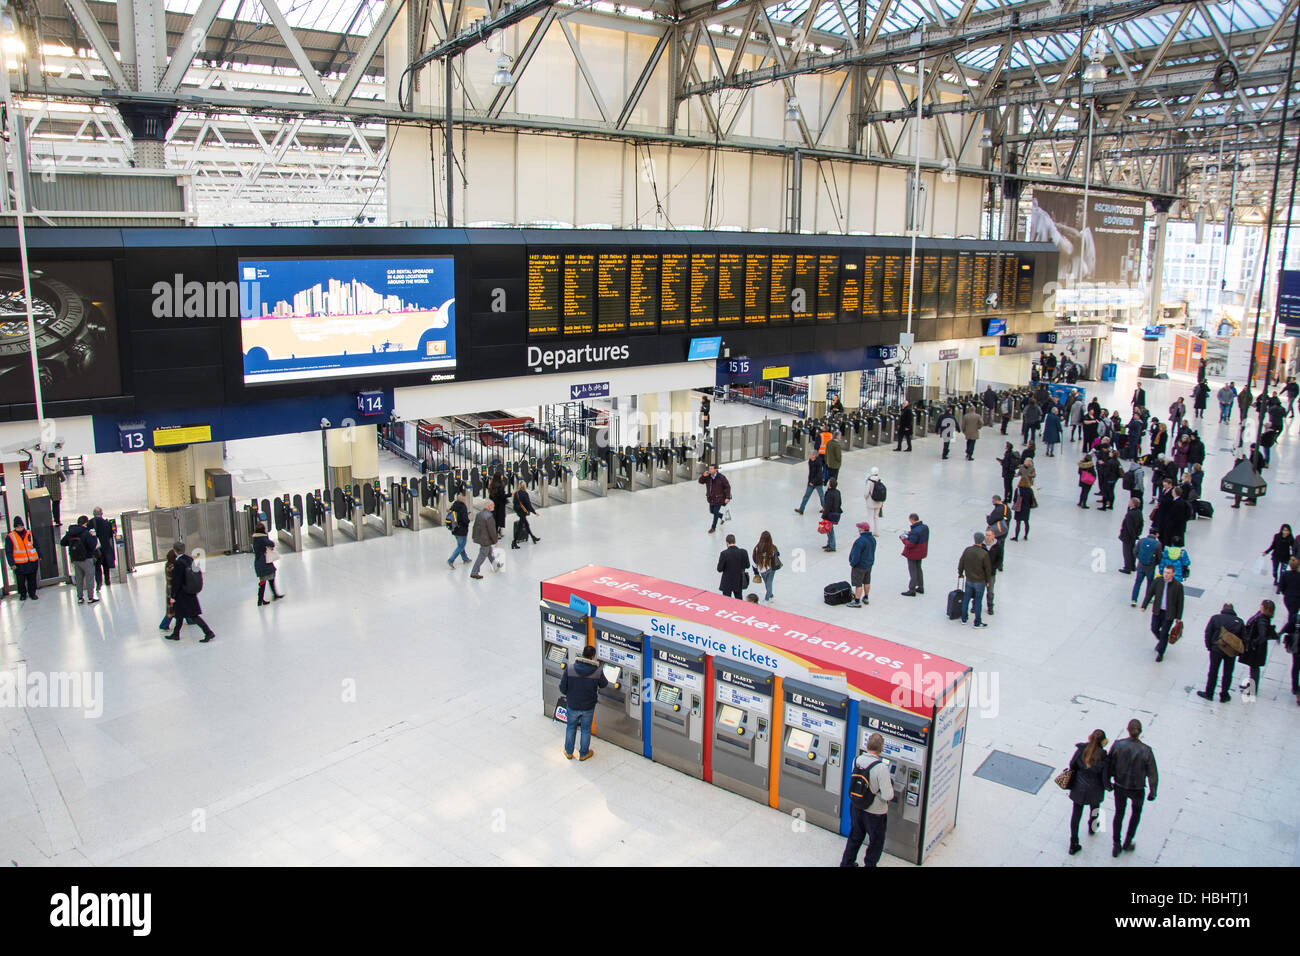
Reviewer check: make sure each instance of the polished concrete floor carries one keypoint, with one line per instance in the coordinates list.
(388, 711)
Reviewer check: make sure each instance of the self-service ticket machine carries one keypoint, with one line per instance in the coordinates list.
(620, 706)
(564, 635)
(742, 728)
(347, 511)
(677, 707)
(906, 751)
(813, 743)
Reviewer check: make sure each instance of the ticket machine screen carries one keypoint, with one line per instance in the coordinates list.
(557, 654)
(730, 717)
(669, 695)
(612, 673)
(800, 740)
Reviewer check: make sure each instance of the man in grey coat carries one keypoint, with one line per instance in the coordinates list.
(485, 535)
(970, 427)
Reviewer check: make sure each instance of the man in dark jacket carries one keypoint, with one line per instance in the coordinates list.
(1225, 620)
(1139, 397)
(834, 456)
(485, 534)
(1130, 530)
(1166, 504)
(185, 603)
(816, 480)
(990, 398)
(975, 568)
(106, 559)
(580, 685)
(717, 492)
(999, 519)
(994, 546)
(1130, 768)
(459, 529)
(1030, 419)
(81, 544)
(733, 562)
(916, 545)
(1167, 597)
(904, 426)
(946, 426)
(862, 556)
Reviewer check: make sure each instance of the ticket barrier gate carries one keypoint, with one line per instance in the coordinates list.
(428, 505)
(620, 706)
(813, 743)
(564, 635)
(557, 481)
(857, 434)
(286, 515)
(593, 475)
(643, 472)
(683, 462)
(662, 467)
(403, 498)
(677, 707)
(906, 753)
(874, 429)
(316, 512)
(375, 511)
(347, 511)
(742, 728)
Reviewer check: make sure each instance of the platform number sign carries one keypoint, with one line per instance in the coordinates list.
(371, 403)
(134, 436)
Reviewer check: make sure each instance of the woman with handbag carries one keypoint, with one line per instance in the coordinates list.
(264, 558)
(1282, 548)
(1259, 631)
(1087, 478)
(832, 509)
(1021, 505)
(1085, 779)
(523, 506)
(767, 561)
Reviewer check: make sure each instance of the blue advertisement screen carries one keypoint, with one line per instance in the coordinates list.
(305, 319)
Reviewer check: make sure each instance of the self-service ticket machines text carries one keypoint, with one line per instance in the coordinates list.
(742, 728)
(620, 706)
(907, 747)
(564, 635)
(813, 732)
(677, 707)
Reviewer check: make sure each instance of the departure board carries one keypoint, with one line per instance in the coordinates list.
(674, 290)
(891, 288)
(873, 274)
(805, 288)
(1025, 285)
(928, 277)
(757, 279)
(704, 289)
(947, 305)
(611, 293)
(731, 289)
(782, 280)
(979, 294)
(643, 292)
(850, 288)
(965, 284)
(991, 268)
(543, 295)
(1007, 295)
(579, 294)
(909, 276)
(828, 288)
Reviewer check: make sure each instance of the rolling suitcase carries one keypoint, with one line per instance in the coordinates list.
(838, 593)
(954, 604)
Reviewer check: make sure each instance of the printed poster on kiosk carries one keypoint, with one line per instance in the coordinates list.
(308, 319)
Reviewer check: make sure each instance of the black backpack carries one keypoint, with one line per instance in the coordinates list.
(860, 793)
(193, 579)
(878, 490)
(449, 522)
(77, 548)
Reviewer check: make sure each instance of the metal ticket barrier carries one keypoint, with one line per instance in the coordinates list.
(564, 635)
(875, 428)
(593, 475)
(683, 462)
(907, 754)
(677, 705)
(287, 520)
(428, 504)
(316, 512)
(402, 499)
(620, 706)
(558, 480)
(742, 728)
(347, 512)
(662, 467)
(814, 728)
(374, 508)
(643, 471)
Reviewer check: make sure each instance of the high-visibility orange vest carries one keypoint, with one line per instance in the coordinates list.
(24, 547)
(826, 440)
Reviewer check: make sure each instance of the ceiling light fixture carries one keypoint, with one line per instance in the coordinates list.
(502, 76)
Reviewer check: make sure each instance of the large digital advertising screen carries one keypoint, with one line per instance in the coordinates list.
(305, 319)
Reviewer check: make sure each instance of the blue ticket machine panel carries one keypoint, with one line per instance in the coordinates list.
(564, 635)
(620, 705)
(742, 728)
(677, 707)
(813, 741)
(906, 751)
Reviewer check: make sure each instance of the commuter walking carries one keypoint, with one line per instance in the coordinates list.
(1130, 531)
(1244, 401)
(580, 686)
(995, 547)
(1087, 785)
(497, 495)
(971, 423)
(485, 534)
(916, 545)
(1010, 463)
(717, 492)
(903, 427)
(1220, 632)
(1087, 478)
(733, 564)
(1282, 548)
(870, 793)
(1130, 768)
(832, 510)
(767, 561)
(186, 583)
(946, 426)
(862, 556)
(1030, 419)
(106, 557)
(81, 545)
(875, 497)
(264, 558)
(834, 456)
(1291, 390)
(24, 558)
(1288, 583)
(816, 481)
(1177, 411)
(1259, 631)
(1226, 395)
(168, 609)
(1166, 596)
(975, 569)
(1139, 397)
(458, 519)
(523, 507)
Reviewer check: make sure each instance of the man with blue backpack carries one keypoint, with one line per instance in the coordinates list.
(1149, 552)
(870, 791)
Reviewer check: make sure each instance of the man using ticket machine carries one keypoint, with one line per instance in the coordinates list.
(870, 793)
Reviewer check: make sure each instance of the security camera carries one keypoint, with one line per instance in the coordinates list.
(992, 299)
(324, 423)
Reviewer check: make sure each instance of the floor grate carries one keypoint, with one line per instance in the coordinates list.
(1015, 772)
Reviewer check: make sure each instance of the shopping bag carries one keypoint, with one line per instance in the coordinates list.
(497, 558)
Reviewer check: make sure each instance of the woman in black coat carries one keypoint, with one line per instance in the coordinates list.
(1087, 784)
(1282, 548)
(523, 508)
(185, 606)
(1259, 631)
(497, 495)
(264, 569)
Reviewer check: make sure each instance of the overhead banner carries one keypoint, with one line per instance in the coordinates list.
(1102, 247)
